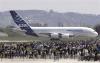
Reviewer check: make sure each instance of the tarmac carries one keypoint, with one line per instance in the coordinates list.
(18, 60)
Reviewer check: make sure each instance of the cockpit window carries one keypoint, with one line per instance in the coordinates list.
(89, 29)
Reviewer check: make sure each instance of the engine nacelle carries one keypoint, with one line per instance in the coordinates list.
(54, 35)
(65, 35)
(59, 35)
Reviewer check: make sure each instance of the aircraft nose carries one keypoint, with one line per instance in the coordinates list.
(95, 34)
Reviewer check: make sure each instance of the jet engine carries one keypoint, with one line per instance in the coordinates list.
(65, 35)
(59, 35)
(55, 35)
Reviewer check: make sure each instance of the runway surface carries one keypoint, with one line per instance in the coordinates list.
(44, 61)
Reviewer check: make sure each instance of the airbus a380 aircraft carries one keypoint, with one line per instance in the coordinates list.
(53, 32)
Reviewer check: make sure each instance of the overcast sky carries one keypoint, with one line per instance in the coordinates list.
(81, 6)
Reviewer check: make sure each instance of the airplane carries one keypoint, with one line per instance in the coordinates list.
(52, 32)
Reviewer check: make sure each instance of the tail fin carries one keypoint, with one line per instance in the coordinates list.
(22, 24)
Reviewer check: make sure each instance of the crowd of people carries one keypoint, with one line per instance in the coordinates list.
(53, 49)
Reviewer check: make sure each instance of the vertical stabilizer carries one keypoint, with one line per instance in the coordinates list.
(22, 24)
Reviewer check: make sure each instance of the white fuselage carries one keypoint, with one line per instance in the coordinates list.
(53, 32)
(66, 31)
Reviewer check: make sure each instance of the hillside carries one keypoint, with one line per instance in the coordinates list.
(51, 18)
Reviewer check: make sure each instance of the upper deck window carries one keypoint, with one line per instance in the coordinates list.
(75, 30)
